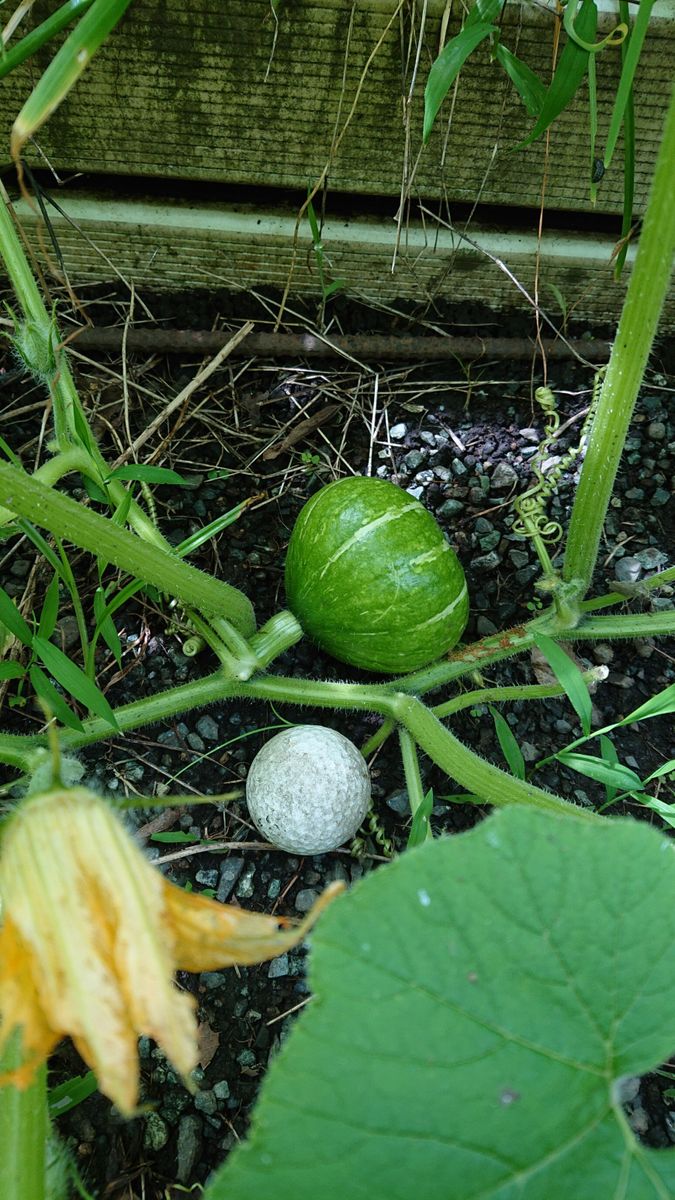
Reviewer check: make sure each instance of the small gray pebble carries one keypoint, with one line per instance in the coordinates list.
(397, 432)
(504, 476)
(638, 1120)
(486, 562)
(415, 492)
(489, 541)
(305, 899)
(450, 508)
(399, 803)
(230, 870)
(212, 980)
(221, 1089)
(458, 468)
(207, 728)
(602, 653)
(156, 1133)
(189, 1144)
(530, 753)
(519, 558)
(628, 570)
(428, 438)
(206, 1102)
(413, 460)
(485, 627)
(245, 886)
(278, 967)
(660, 497)
(195, 742)
(530, 435)
(246, 1058)
(208, 878)
(656, 430)
(636, 493)
(274, 889)
(651, 558)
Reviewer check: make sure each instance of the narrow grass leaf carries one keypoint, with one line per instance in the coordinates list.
(12, 619)
(571, 68)
(657, 706)
(44, 688)
(623, 95)
(569, 677)
(93, 491)
(667, 768)
(11, 670)
(447, 66)
(527, 84)
(175, 839)
(73, 680)
(65, 68)
(614, 774)
(510, 748)
(71, 1093)
(195, 540)
(665, 811)
(50, 609)
(122, 511)
(420, 829)
(149, 474)
(105, 626)
(37, 38)
(610, 756)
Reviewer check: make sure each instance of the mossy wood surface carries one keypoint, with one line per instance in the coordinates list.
(172, 245)
(197, 92)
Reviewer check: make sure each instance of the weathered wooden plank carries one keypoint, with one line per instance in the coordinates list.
(175, 245)
(193, 92)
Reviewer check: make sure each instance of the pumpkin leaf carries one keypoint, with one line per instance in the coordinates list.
(476, 1003)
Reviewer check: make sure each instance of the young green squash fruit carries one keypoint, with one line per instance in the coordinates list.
(372, 579)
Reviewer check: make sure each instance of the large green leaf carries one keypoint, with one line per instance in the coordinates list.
(475, 1004)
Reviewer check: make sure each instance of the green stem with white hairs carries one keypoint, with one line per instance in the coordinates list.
(647, 290)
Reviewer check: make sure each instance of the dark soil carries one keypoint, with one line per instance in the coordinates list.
(460, 440)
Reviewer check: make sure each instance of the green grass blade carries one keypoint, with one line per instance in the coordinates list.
(420, 829)
(630, 62)
(11, 618)
(149, 474)
(50, 609)
(611, 774)
(447, 66)
(569, 677)
(71, 1093)
(628, 151)
(571, 68)
(657, 706)
(667, 768)
(527, 84)
(73, 680)
(44, 688)
(11, 670)
(610, 756)
(65, 68)
(37, 38)
(510, 748)
(105, 626)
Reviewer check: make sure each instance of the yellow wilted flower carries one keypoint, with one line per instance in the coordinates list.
(92, 935)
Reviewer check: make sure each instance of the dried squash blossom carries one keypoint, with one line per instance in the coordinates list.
(92, 935)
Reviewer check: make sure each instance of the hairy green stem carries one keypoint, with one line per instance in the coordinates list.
(411, 770)
(647, 290)
(24, 1127)
(502, 695)
(67, 519)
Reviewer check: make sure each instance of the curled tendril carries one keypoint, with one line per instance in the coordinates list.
(374, 827)
(614, 38)
(532, 520)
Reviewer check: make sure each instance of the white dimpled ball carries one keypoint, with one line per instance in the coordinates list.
(308, 789)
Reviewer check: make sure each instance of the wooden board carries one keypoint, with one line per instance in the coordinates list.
(199, 91)
(175, 245)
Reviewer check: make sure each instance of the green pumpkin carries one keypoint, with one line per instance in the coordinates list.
(371, 578)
